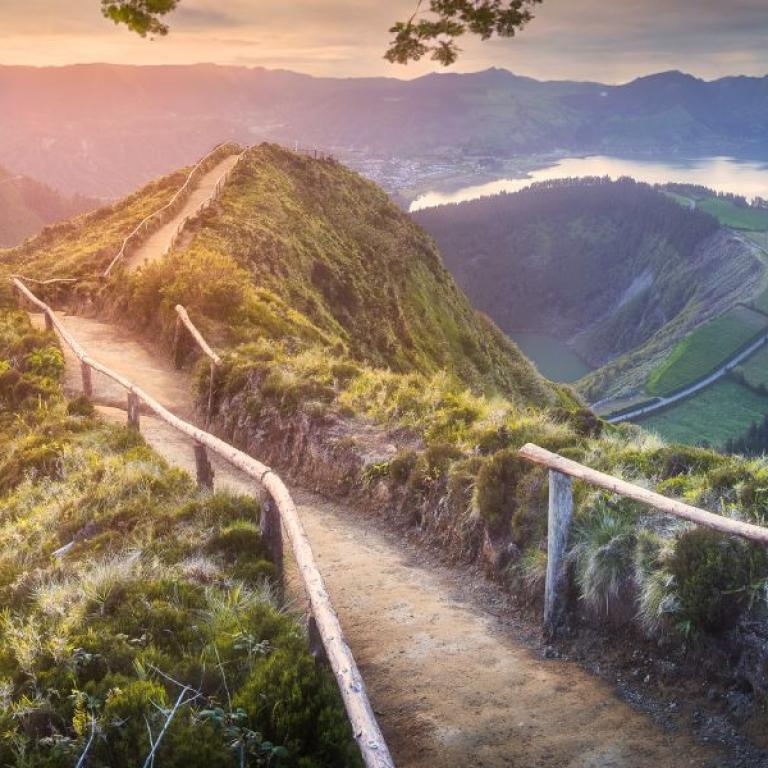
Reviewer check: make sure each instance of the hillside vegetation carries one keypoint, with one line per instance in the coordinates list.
(26, 206)
(303, 252)
(121, 584)
(343, 335)
(616, 269)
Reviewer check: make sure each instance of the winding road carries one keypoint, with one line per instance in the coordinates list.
(663, 402)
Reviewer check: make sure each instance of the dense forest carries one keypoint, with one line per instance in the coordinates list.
(602, 264)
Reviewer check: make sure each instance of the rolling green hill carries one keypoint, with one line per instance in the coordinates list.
(26, 206)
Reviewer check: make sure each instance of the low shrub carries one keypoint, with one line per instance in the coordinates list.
(716, 578)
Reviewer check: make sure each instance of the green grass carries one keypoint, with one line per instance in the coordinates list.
(161, 586)
(704, 350)
(755, 369)
(730, 215)
(722, 411)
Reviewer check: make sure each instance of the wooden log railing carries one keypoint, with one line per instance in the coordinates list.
(279, 512)
(156, 219)
(183, 322)
(560, 513)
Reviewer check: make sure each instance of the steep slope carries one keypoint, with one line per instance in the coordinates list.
(306, 251)
(26, 206)
(616, 269)
(119, 580)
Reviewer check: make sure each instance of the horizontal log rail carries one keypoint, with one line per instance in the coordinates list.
(49, 281)
(155, 219)
(561, 473)
(323, 619)
(215, 194)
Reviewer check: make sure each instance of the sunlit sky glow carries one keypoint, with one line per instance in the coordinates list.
(574, 39)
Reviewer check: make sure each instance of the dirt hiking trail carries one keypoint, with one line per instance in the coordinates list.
(451, 688)
(158, 242)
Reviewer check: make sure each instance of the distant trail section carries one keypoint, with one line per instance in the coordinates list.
(450, 686)
(158, 242)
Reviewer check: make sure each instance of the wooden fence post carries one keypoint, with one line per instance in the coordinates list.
(48, 321)
(133, 411)
(204, 469)
(210, 396)
(316, 647)
(178, 357)
(272, 535)
(559, 525)
(85, 372)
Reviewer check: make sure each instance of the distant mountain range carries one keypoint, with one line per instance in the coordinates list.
(27, 205)
(104, 129)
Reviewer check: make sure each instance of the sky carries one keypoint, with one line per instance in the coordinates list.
(609, 41)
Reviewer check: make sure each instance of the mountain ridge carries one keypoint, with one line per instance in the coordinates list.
(64, 123)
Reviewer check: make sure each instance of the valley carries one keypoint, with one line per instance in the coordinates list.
(667, 315)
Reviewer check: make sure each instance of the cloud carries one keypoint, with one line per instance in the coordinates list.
(584, 39)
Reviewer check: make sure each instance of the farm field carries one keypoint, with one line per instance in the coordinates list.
(730, 215)
(704, 350)
(722, 411)
(755, 369)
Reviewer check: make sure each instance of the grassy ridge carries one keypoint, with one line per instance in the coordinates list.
(310, 254)
(333, 314)
(84, 246)
(705, 350)
(158, 587)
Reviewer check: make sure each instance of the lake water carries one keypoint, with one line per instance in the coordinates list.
(724, 174)
(553, 357)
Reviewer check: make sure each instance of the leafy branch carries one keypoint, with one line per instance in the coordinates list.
(434, 30)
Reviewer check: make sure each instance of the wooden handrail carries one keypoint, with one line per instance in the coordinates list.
(560, 515)
(196, 335)
(143, 225)
(49, 281)
(353, 691)
(537, 455)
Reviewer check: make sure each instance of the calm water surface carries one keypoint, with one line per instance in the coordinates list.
(552, 357)
(724, 174)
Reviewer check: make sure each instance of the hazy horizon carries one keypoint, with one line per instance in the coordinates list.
(595, 42)
(393, 76)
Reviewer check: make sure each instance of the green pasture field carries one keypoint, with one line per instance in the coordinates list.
(703, 351)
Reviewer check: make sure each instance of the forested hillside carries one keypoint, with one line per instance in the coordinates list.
(26, 206)
(613, 268)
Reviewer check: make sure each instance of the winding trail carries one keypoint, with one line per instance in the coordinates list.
(158, 242)
(452, 684)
